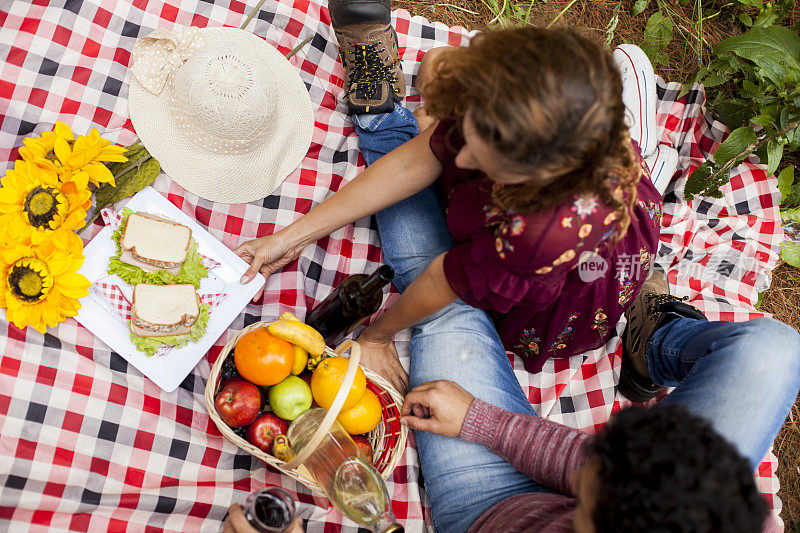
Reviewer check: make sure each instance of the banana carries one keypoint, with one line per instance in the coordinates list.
(300, 359)
(314, 361)
(300, 334)
(282, 450)
(300, 355)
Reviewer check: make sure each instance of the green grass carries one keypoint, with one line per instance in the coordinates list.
(509, 12)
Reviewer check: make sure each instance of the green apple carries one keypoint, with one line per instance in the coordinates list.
(290, 397)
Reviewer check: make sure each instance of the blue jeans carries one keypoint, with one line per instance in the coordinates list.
(743, 377)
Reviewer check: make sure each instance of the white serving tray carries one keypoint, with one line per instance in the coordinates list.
(168, 370)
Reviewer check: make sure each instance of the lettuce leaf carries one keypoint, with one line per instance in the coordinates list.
(149, 345)
(192, 270)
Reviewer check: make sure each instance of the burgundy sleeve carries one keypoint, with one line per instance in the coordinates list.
(543, 450)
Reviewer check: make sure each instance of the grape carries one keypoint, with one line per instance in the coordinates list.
(229, 369)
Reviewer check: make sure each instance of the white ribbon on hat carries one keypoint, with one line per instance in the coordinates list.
(160, 53)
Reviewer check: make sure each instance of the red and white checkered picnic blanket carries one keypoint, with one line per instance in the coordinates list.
(88, 443)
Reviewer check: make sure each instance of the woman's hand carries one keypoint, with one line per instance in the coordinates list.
(438, 407)
(379, 355)
(267, 255)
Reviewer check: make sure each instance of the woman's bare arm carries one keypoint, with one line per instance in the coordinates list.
(398, 175)
(394, 177)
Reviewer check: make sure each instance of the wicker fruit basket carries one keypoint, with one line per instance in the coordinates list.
(388, 440)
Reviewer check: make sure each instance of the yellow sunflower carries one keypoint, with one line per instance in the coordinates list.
(41, 150)
(60, 150)
(40, 285)
(32, 200)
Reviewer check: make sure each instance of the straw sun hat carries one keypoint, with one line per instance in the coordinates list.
(225, 114)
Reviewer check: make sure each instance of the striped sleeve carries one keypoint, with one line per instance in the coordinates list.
(545, 451)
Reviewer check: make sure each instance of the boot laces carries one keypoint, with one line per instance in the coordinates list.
(655, 301)
(368, 67)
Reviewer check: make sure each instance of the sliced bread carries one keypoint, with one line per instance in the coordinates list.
(160, 310)
(152, 241)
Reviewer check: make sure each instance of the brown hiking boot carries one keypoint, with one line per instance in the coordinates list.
(368, 48)
(652, 308)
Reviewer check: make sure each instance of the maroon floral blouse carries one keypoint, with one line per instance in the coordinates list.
(540, 275)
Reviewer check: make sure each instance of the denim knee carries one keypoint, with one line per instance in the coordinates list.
(458, 317)
(413, 233)
(769, 350)
(409, 268)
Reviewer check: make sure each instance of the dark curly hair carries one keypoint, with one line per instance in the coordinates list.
(549, 101)
(667, 470)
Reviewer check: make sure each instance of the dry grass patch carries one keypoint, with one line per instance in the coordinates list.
(783, 301)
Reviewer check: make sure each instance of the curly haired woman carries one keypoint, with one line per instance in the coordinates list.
(527, 181)
(522, 218)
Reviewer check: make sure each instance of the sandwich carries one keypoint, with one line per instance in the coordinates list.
(164, 310)
(166, 314)
(153, 249)
(151, 242)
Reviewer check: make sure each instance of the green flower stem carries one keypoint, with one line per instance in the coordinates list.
(136, 155)
(130, 177)
(104, 196)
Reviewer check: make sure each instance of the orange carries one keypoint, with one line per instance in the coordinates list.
(363, 417)
(327, 379)
(263, 359)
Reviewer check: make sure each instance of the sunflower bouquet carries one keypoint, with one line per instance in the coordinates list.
(44, 200)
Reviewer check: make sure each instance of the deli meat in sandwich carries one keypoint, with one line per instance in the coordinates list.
(164, 310)
(151, 242)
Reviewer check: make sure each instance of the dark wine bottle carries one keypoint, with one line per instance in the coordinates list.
(349, 305)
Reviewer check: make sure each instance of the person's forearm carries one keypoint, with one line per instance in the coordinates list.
(426, 295)
(394, 177)
(543, 450)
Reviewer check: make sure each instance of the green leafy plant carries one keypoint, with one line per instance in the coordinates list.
(612, 24)
(766, 13)
(639, 6)
(757, 75)
(790, 248)
(657, 35)
(508, 13)
(682, 21)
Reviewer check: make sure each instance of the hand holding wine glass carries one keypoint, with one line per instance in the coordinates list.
(269, 510)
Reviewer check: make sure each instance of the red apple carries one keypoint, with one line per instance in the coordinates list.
(364, 447)
(238, 402)
(263, 431)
